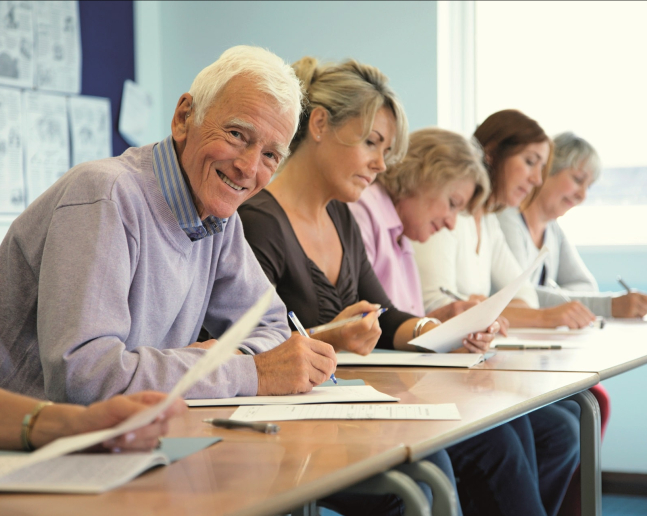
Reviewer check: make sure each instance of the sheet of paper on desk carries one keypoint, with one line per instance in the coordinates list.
(298, 412)
(407, 358)
(12, 186)
(214, 357)
(449, 335)
(337, 394)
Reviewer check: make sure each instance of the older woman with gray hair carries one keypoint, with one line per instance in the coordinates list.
(576, 166)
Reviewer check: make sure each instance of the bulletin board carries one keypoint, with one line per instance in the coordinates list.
(108, 47)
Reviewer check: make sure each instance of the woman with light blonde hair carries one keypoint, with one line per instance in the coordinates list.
(304, 236)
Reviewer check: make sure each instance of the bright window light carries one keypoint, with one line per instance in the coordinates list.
(576, 66)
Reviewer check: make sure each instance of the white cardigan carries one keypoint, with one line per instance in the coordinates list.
(449, 259)
(563, 265)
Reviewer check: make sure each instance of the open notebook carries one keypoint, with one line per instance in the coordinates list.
(93, 472)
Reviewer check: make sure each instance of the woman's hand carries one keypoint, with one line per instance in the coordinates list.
(109, 413)
(633, 304)
(573, 314)
(444, 313)
(359, 336)
(480, 342)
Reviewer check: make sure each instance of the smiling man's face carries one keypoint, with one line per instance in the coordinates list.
(234, 152)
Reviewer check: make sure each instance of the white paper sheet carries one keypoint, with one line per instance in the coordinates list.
(136, 109)
(12, 185)
(17, 44)
(91, 128)
(337, 394)
(46, 141)
(58, 54)
(449, 335)
(298, 412)
(214, 357)
(406, 358)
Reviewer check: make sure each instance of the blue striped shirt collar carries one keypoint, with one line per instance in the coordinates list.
(177, 194)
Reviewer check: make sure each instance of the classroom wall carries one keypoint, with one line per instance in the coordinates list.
(175, 40)
(624, 448)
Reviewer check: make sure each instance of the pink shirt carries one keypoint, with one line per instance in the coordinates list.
(392, 261)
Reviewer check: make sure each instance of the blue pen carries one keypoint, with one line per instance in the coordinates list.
(337, 324)
(302, 331)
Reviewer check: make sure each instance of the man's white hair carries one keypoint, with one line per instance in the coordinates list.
(271, 74)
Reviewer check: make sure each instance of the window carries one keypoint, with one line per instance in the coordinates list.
(579, 67)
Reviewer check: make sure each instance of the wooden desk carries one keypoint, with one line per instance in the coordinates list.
(256, 474)
(619, 347)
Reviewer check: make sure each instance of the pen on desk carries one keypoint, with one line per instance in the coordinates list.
(266, 428)
(337, 324)
(528, 346)
(302, 331)
(624, 285)
(453, 295)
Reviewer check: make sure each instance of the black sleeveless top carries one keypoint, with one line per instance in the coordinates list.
(302, 286)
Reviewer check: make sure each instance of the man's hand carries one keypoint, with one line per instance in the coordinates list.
(633, 304)
(573, 314)
(296, 366)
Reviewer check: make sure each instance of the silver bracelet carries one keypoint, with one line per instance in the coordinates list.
(417, 330)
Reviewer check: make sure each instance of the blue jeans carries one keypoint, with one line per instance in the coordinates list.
(384, 505)
(522, 467)
(497, 472)
(557, 441)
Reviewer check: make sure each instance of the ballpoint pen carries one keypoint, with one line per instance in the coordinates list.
(553, 284)
(528, 346)
(266, 428)
(453, 295)
(624, 285)
(337, 324)
(302, 331)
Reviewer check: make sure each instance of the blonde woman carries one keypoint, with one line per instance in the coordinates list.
(303, 233)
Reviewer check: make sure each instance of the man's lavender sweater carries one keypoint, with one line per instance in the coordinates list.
(101, 291)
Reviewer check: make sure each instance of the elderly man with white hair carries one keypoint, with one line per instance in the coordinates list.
(107, 278)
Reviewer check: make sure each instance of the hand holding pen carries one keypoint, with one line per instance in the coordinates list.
(295, 366)
(631, 304)
(355, 329)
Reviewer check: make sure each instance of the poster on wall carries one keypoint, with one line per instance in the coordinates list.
(58, 46)
(12, 186)
(90, 128)
(46, 139)
(17, 44)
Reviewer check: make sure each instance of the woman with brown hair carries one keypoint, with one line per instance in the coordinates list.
(474, 259)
